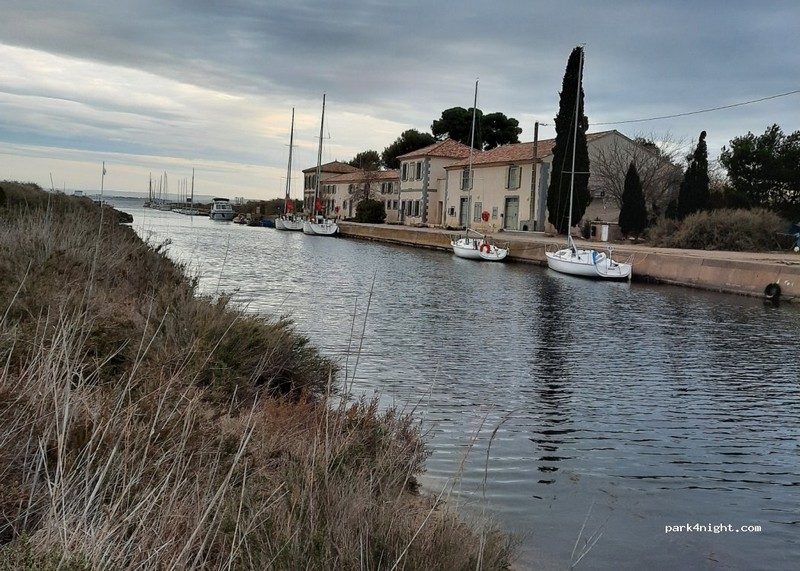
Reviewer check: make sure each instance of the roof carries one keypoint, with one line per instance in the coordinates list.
(363, 176)
(449, 148)
(334, 167)
(517, 152)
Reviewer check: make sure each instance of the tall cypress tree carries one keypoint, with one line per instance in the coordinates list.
(694, 195)
(559, 189)
(633, 215)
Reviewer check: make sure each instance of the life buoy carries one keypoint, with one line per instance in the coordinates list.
(486, 248)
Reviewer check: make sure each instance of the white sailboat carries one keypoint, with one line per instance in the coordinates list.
(476, 247)
(318, 225)
(580, 261)
(289, 220)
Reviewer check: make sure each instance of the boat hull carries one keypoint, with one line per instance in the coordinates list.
(320, 228)
(474, 249)
(292, 225)
(222, 216)
(587, 264)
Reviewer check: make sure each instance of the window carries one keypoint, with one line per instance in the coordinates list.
(351, 188)
(451, 211)
(404, 171)
(465, 179)
(513, 177)
(494, 213)
(419, 170)
(478, 210)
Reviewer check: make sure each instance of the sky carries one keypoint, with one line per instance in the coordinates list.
(153, 86)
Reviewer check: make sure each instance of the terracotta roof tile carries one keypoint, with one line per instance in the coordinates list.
(361, 176)
(449, 148)
(515, 153)
(334, 167)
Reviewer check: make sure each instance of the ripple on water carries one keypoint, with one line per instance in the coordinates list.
(650, 405)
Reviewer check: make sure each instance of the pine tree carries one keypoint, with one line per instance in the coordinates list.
(559, 190)
(633, 215)
(694, 195)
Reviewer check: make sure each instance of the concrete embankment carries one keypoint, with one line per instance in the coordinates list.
(744, 273)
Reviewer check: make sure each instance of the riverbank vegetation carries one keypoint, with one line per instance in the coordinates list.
(142, 425)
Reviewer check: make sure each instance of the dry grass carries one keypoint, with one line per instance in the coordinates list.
(738, 230)
(144, 427)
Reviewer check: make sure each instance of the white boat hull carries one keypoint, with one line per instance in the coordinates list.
(477, 249)
(295, 225)
(227, 216)
(588, 264)
(326, 228)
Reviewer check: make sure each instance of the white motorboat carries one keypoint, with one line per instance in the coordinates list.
(221, 209)
(475, 248)
(580, 261)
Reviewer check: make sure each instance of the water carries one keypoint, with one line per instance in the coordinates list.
(620, 408)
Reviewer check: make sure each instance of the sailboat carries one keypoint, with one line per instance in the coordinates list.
(475, 247)
(318, 225)
(579, 261)
(289, 220)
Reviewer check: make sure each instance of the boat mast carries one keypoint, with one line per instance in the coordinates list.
(192, 196)
(289, 169)
(471, 148)
(319, 160)
(574, 145)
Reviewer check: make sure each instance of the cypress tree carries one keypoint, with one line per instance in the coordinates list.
(558, 191)
(633, 215)
(694, 194)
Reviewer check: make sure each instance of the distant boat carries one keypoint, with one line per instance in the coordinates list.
(288, 220)
(318, 225)
(221, 209)
(476, 247)
(579, 261)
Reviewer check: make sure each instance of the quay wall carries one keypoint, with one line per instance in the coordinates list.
(742, 273)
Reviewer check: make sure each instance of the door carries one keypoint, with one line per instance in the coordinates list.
(511, 219)
(463, 215)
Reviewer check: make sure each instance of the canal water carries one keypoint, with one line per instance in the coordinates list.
(609, 410)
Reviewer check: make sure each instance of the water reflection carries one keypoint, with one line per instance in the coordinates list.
(655, 405)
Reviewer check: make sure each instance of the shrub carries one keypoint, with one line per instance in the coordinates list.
(144, 427)
(370, 211)
(741, 230)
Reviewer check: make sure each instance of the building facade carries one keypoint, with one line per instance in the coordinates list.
(423, 179)
(327, 171)
(509, 185)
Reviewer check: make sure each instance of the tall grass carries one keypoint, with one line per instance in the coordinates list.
(142, 426)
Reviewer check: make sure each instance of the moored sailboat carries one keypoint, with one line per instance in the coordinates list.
(580, 261)
(476, 247)
(288, 220)
(317, 224)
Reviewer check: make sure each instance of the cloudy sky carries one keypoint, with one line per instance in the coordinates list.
(168, 85)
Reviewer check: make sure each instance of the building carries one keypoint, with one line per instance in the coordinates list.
(423, 179)
(505, 189)
(340, 194)
(327, 171)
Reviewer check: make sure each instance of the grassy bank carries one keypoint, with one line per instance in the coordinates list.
(144, 426)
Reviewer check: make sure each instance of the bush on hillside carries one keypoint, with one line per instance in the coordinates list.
(737, 230)
(370, 211)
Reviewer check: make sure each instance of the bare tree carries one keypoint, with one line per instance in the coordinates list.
(657, 159)
(366, 187)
